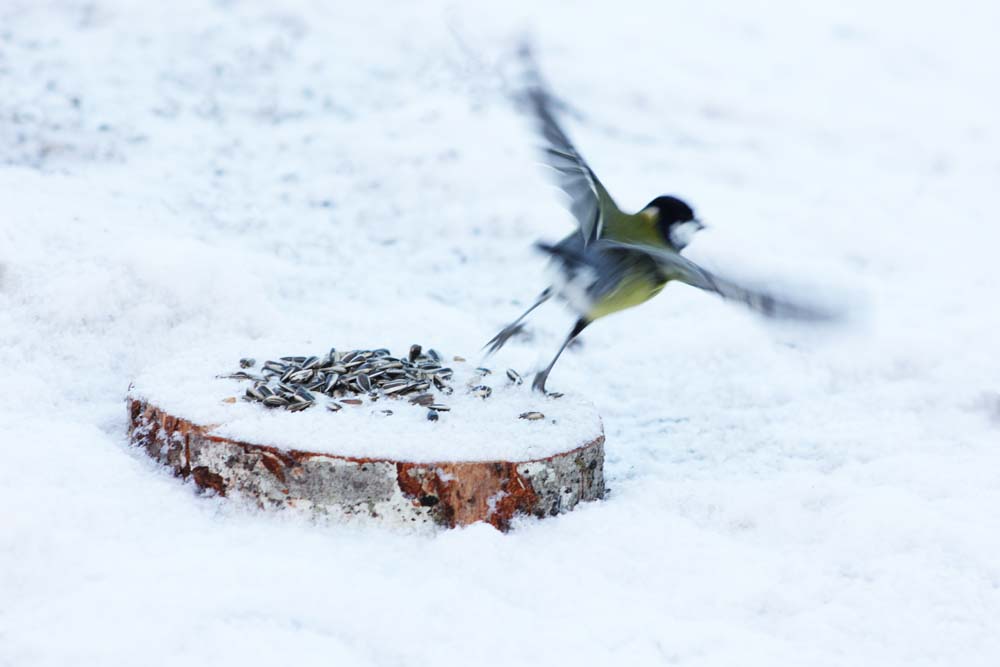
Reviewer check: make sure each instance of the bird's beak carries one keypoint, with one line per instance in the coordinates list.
(701, 225)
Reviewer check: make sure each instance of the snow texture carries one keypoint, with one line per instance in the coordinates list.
(473, 429)
(285, 175)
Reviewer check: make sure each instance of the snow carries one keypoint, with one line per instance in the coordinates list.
(180, 175)
(473, 429)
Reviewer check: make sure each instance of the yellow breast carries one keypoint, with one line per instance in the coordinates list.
(632, 291)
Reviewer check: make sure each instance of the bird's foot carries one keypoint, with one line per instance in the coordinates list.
(501, 338)
(539, 383)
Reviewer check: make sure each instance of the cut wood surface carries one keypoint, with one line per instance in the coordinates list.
(445, 493)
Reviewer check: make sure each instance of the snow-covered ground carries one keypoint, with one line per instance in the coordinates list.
(305, 174)
(471, 428)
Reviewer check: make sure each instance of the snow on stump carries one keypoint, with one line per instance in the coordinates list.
(383, 457)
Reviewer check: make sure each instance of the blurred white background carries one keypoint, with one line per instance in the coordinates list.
(320, 174)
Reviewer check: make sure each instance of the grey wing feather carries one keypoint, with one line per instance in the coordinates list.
(588, 198)
(680, 268)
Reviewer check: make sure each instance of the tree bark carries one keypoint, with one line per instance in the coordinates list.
(448, 494)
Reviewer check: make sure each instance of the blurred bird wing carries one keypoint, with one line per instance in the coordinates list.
(590, 202)
(676, 267)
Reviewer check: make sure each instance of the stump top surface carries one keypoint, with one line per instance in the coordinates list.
(474, 429)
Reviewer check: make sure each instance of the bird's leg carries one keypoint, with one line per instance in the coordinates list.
(540, 378)
(498, 341)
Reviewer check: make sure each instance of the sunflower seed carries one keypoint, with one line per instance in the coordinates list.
(290, 381)
(514, 376)
(395, 386)
(482, 391)
(483, 371)
(531, 416)
(238, 375)
(439, 407)
(422, 399)
(386, 412)
(299, 376)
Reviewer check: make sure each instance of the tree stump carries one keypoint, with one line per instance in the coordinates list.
(345, 485)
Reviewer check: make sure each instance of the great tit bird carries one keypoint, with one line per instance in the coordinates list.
(617, 260)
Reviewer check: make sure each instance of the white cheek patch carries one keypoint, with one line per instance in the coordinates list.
(681, 235)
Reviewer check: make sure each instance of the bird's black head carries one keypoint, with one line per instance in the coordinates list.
(674, 220)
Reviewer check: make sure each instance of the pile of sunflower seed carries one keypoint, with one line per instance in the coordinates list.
(295, 383)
